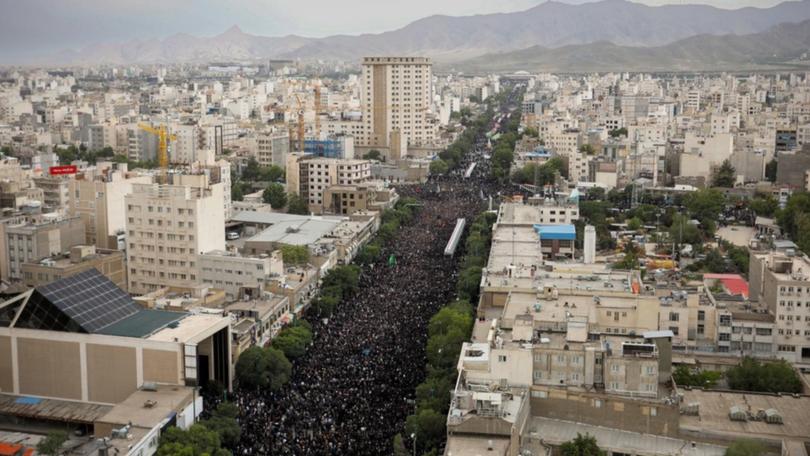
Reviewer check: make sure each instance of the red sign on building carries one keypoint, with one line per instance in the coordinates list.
(61, 170)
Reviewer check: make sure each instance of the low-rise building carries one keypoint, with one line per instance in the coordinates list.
(81, 258)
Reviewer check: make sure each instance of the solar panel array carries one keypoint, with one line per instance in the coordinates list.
(90, 299)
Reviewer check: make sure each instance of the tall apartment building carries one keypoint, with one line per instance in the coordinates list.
(98, 198)
(316, 175)
(781, 282)
(272, 147)
(167, 227)
(396, 96)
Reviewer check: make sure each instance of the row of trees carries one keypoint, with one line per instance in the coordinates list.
(390, 222)
(542, 174)
(447, 331)
(503, 151)
(749, 375)
(337, 284)
(450, 158)
(213, 436)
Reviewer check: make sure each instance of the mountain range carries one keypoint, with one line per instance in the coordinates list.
(783, 46)
(549, 25)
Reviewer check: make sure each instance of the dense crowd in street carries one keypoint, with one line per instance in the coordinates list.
(355, 386)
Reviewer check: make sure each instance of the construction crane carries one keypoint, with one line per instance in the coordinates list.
(162, 132)
(318, 110)
(300, 123)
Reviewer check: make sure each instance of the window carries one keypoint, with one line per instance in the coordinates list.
(701, 315)
(673, 316)
(674, 330)
(501, 358)
(701, 329)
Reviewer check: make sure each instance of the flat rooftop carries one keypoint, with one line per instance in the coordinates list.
(192, 329)
(557, 432)
(715, 406)
(51, 409)
(166, 400)
(464, 445)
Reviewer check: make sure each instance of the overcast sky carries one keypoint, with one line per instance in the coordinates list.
(40, 26)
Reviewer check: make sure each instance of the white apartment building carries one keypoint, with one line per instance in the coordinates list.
(315, 175)
(271, 148)
(781, 282)
(239, 275)
(168, 226)
(396, 95)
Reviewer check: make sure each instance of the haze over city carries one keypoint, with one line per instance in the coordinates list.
(457, 228)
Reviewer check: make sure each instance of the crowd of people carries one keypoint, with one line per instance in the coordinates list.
(351, 392)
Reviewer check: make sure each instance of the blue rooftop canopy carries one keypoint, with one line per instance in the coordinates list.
(556, 232)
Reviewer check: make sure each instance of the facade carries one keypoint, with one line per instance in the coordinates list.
(167, 228)
(27, 240)
(396, 96)
(52, 349)
(316, 175)
(780, 282)
(238, 275)
(55, 192)
(98, 199)
(82, 257)
(272, 148)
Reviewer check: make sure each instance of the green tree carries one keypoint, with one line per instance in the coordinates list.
(275, 196)
(438, 166)
(634, 224)
(531, 132)
(224, 422)
(447, 318)
(198, 440)
(770, 171)
(297, 205)
(252, 171)
(293, 341)
(705, 204)
(428, 426)
(51, 445)
(587, 149)
(373, 154)
(616, 132)
(725, 175)
(764, 205)
(683, 231)
(434, 392)
(295, 255)
(684, 376)
(582, 445)
(773, 377)
(630, 259)
(745, 447)
(272, 173)
(260, 368)
(399, 446)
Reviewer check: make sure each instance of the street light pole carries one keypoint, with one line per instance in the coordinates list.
(413, 436)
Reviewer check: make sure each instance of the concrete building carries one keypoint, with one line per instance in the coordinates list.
(396, 96)
(316, 175)
(83, 339)
(97, 197)
(349, 199)
(29, 240)
(55, 192)
(240, 276)
(167, 228)
(780, 282)
(272, 148)
(81, 258)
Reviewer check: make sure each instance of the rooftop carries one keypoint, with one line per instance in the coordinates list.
(51, 409)
(557, 432)
(192, 329)
(714, 410)
(148, 408)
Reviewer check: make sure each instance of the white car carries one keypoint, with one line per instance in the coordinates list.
(231, 236)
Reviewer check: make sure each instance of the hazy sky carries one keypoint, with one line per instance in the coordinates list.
(40, 26)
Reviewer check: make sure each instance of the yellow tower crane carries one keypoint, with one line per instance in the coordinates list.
(162, 132)
(300, 123)
(318, 110)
